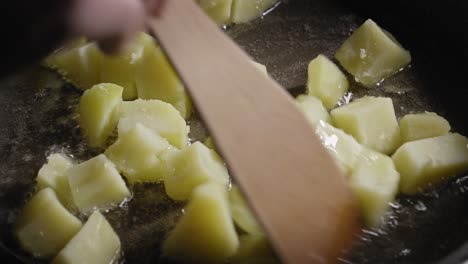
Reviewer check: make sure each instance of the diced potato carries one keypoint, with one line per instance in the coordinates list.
(427, 161)
(157, 115)
(44, 225)
(246, 10)
(326, 81)
(372, 121)
(156, 79)
(120, 69)
(372, 54)
(96, 243)
(98, 112)
(193, 166)
(218, 10)
(137, 155)
(205, 233)
(423, 125)
(209, 143)
(313, 109)
(241, 214)
(374, 181)
(262, 68)
(79, 64)
(254, 249)
(342, 147)
(96, 183)
(52, 175)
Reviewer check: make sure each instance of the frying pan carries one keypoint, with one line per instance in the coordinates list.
(37, 117)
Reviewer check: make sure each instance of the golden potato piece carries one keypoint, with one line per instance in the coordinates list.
(78, 63)
(423, 125)
(52, 175)
(342, 147)
(428, 161)
(137, 154)
(326, 81)
(193, 166)
(96, 243)
(374, 181)
(372, 54)
(218, 10)
(372, 121)
(205, 233)
(262, 68)
(254, 249)
(44, 225)
(157, 115)
(209, 143)
(96, 183)
(241, 213)
(98, 112)
(313, 109)
(246, 10)
(156, 79)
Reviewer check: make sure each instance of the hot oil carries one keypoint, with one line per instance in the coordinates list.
(422, 228)
(39, 115)
(426, 211)
(38, 118)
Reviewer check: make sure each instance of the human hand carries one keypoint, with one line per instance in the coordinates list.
(35, 28)
(110, 22)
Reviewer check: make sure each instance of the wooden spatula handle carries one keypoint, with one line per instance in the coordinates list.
(292, 183)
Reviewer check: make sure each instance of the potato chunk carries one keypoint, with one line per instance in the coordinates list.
(98, 112)
(423, 125)
(326, 81)
(218, 10)
(205, 233)
(79, 64)
(44, 225)
(52, 175)
(96, 183)
(427, 161)
(372, 54)
(209, 143)
(374, 181)
(372, 121)
(342, 147)
(254, 249)
(96, 243)
(313, 109)
(156, 79)
(262, 68)
(241, 214)
(246, 10)
(193, 166)
(120, 69)
(156, 115)
(137, 154)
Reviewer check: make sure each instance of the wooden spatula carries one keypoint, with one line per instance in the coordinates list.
(291, 182)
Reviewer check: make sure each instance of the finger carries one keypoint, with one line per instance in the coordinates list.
(154, 7)
(115, 45)
(107, 19)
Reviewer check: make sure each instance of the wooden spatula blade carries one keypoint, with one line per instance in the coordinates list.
(293, 185)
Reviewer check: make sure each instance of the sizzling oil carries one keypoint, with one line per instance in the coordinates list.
(38, 118)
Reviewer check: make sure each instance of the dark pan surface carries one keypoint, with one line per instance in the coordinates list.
(37, 118)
